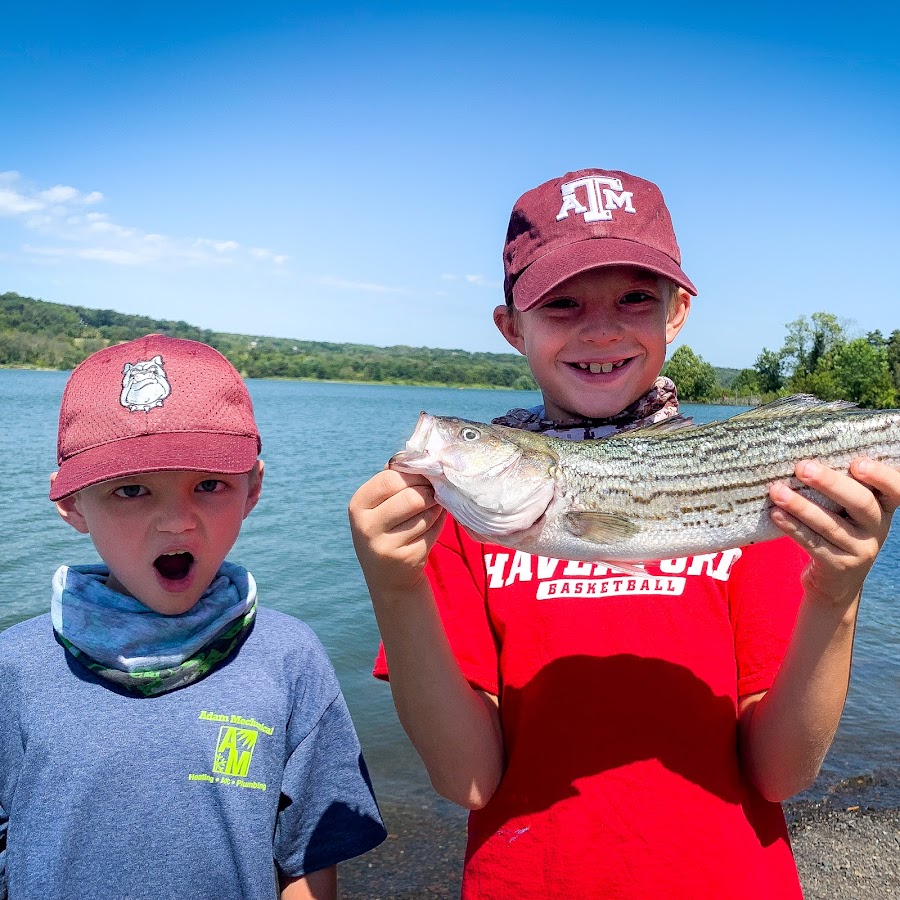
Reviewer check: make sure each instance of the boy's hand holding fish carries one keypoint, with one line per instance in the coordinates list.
(843, 545)
(395, 521)
(802, 709)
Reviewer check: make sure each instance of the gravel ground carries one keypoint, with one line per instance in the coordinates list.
(847, 842)
(847, 846)
(854, 855)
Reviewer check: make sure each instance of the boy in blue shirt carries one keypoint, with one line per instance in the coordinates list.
(162, 735)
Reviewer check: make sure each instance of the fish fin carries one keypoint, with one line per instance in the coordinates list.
(599, 527)
(795, 405)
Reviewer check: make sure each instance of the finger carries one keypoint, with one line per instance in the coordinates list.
(417, 525)
(812, 540)
(810, 524)
(855, 498)
(412, 501)
(883, 479)
(385, 485)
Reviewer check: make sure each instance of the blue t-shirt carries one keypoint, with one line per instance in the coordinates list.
(196, 794)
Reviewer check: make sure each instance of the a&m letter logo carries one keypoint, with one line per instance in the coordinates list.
(234, 750)
(144, 385)
(603, 195)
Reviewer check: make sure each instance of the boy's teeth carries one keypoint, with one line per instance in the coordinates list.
(596, 368)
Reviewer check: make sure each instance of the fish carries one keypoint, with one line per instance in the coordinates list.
(664, 491)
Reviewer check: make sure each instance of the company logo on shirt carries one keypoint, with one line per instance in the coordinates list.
(233, 750)
(561, 579)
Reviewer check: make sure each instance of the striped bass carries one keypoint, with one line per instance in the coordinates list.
(671, 489)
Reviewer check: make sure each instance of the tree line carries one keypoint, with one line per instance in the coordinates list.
(56, 336)
(819, 356)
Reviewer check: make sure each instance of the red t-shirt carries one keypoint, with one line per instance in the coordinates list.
(618, 700)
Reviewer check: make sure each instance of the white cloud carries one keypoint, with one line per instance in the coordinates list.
(477, 280)
(58, 215)
(481, 281)
(14, 204)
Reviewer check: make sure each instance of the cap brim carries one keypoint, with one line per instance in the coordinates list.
(228, 454)
(555, 267)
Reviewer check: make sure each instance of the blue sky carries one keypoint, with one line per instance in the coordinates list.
(345, 173)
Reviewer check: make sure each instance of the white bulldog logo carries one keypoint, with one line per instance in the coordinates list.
(144, 385)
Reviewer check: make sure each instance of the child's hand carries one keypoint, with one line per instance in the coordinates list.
(842, 546)
(395, 521)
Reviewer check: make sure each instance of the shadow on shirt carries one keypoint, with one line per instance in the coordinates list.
(583, 715)
(343, 830)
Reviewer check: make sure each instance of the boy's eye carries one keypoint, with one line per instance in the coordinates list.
(210, 486)
(131, 490)
(638, 297)
(560, 303)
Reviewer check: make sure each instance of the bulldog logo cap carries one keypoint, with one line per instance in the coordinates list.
(154, 404)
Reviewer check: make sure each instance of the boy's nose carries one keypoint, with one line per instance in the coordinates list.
(600, 329)
(176, 518)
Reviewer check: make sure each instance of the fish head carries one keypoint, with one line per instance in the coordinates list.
(495, 480)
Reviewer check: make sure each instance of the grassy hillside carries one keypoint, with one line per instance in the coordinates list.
(55, 336)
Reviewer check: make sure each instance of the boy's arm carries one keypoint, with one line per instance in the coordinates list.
(395, 522)
(786, 731)
(321, 885)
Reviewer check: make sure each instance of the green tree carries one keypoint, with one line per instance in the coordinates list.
(694, 377)
(861, 373)
(745, 384)
(893, 358)
(769, 371)
(807, 342)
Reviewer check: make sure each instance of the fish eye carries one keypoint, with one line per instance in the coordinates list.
(470, 434)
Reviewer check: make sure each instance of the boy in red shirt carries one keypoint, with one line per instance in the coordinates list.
(617, 735)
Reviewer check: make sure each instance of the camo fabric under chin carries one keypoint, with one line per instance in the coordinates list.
(658, 404)
(152, 682)
(144, 652)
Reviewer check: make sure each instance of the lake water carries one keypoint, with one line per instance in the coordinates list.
(320, 442)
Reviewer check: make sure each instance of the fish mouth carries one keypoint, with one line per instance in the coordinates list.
(174, 565)
(415, 458)
(597, 368)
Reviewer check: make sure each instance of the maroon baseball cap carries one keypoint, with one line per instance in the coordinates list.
(585, 220)
(155, 404)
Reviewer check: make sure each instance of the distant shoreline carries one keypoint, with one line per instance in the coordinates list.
(738, 401)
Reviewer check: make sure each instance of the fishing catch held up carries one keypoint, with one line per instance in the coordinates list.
(672, 489)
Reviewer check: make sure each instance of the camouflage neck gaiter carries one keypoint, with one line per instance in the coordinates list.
(658, 404)
(142, 651)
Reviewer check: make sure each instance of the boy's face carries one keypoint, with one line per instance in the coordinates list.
(619, 317)
(164, 535)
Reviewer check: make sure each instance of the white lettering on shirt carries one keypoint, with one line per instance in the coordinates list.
(587, 579)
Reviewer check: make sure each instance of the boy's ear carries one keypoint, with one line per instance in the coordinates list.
(255, 476)
(69, 511)
(679, 308)
(506, 320)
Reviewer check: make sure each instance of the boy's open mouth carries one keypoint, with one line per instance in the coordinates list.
(597, 368)
(174, 566)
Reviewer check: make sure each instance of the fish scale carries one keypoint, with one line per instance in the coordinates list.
(669, 490)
